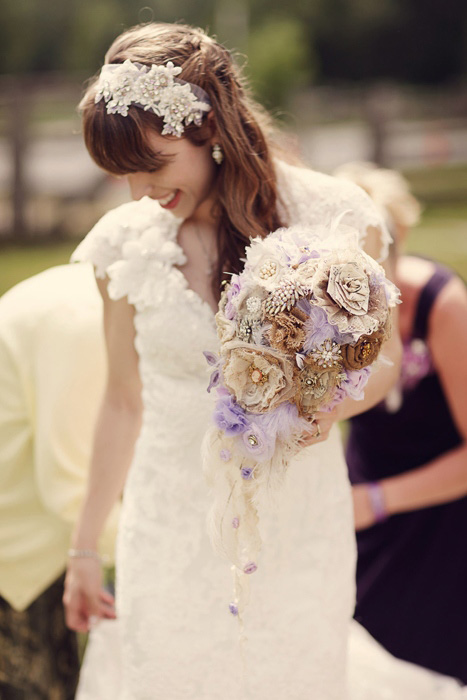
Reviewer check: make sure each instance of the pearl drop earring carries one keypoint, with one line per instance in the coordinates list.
(217, 154)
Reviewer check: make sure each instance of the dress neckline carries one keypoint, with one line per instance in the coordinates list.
(194, 296)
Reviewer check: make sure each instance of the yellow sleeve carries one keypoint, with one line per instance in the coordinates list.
(70, 372)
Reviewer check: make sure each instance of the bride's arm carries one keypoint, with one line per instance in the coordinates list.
(117, 428)
(384, 378)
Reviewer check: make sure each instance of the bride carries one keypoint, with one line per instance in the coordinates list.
(170, 111)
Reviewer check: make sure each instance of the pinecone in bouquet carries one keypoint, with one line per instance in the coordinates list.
(300, 330)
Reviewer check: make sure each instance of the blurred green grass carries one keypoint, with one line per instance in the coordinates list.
(442, 235)
(20, 262)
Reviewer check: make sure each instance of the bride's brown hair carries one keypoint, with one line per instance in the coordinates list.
(246, 182)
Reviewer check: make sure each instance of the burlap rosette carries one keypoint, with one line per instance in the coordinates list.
(287, 333)
(365, 351)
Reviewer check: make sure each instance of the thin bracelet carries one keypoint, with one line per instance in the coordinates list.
(85, 554)
(375, 492)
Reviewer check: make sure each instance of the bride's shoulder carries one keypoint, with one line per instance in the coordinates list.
(298, 181)
(309, 197)
(102, 246)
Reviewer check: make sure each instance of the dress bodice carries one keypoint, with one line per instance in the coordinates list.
(136, 247)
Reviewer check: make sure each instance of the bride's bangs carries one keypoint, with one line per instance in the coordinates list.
(120, 145)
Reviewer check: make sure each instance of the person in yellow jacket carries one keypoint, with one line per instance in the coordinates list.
(52, 374)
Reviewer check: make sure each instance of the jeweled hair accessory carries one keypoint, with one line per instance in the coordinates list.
(154, 88)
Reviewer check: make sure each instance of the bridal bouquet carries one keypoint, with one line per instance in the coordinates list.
(300, 330)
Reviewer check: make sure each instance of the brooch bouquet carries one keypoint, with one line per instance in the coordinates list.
(300, 330)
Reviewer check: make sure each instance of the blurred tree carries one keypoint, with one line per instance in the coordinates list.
(280, 59)
(419, 41)
(72, 35)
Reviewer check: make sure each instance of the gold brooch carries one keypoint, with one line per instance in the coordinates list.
(257, 376)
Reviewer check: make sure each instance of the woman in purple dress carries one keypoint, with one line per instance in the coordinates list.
(408, 462)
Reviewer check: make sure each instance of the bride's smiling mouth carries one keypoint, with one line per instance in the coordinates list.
(171, 201)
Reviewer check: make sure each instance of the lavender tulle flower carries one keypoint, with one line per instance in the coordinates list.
(308, 255)
(255, 442)
(352, 387)
(229, 416)
(356, 382)
(317, 328)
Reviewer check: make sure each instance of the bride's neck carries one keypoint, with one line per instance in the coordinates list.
(206, 214)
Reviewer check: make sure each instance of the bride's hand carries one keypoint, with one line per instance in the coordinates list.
(84, 598)
(319, 428)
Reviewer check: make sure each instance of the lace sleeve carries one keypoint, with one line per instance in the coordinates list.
(103, 244)
(364, 215)
(311, 198)
(134, 246)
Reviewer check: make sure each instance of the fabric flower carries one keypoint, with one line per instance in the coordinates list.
(250, 302)
(229, 416)
(355, 382)
(225, 327)
(265, 262)
(259, 378)
(286, 333)
(306, 270)
(227, 303)
(351, 386)
(315, 386)
(258, 443)
(343, 288)
(365, 351)
(349, 287)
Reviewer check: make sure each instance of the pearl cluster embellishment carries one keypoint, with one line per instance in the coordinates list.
(157, 89)
(267, 270)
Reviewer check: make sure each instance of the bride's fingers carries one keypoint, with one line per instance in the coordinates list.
(106, 597)
(107, 605)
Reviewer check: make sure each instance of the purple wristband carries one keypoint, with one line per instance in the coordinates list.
(375, 492)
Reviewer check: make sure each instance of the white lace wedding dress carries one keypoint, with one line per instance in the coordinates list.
(177, 637)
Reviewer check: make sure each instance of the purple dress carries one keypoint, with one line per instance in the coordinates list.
(412, 568)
